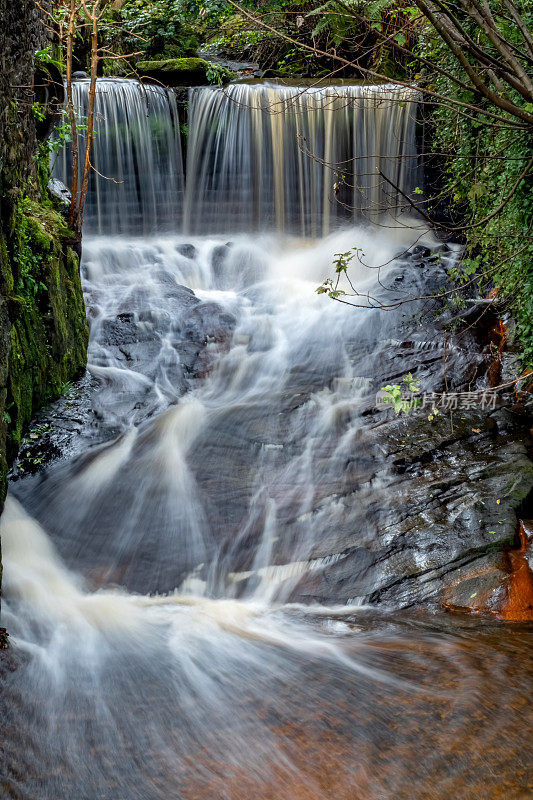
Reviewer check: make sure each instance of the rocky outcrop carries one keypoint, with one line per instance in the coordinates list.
(423, 510)
(500, 584)
(433, 516)
(43, 331)
(454, 488)
(184, 71)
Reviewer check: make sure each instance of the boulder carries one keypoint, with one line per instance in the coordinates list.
(184, 71)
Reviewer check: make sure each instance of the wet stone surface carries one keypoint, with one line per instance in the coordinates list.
(182, 583)
(398, 511)
(449, 500)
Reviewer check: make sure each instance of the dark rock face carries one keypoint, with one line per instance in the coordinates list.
(197, 331)
(61, 192)
(187, 250)
(448, 503)
(43, 332)
(183, 71)
(420, 503)
(415, 508)
(21, 34)
(501, 584)
(479, 586)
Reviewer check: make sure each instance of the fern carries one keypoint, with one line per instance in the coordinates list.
(339, 18)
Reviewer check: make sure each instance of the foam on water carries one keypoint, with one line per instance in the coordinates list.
(152, 585)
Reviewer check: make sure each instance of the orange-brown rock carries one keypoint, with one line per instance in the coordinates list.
(500, 584)
(518, 606)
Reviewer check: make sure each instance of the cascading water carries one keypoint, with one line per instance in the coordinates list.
(296, 159)
(136, 185)
(232, 470)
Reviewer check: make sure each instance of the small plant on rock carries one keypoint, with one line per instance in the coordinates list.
(394, 394)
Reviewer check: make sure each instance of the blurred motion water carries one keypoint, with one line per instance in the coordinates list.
(152, 587)
(264, 156)
(137, 183)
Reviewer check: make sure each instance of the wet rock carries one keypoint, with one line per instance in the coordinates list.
(187, 250)
(478, 587)
(182, 296)
(58, 189)
(37, 449)
(410, 512)
(452, 503)
(420, 250)
(123, 330)
(208, 321)
(184, 71)
(500, 585)
(131, 352)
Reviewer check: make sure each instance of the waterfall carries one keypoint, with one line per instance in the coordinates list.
(298, 159)
(234, 325)
(136, 186)
(186, 588)
(260, 157)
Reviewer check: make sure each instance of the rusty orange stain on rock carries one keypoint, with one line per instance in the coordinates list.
(498, 337)
(500, 585)
(518, 606)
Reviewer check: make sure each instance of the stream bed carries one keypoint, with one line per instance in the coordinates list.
(228, 581)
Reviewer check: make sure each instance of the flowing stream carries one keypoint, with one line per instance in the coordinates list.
(180, 592)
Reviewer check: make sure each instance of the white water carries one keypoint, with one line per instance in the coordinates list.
(259, 157)
(303, 160)
(137, 183)
(153, 586)
(232, 476)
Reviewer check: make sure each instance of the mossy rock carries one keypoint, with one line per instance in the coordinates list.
(42, 318)
(185, 71)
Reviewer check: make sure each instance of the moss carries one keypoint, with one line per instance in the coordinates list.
(43, 332)
(38, 235)
(48, 333)
(185, 70)
(174, 65)
(50, 220)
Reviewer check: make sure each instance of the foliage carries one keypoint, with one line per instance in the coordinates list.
(482, 163)
(476, 121)
(217, 74)
(370, 33)
(44, 57)
(150, 28)
(341, 262)
(186, 69)
(394, 394)
(238, 35)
